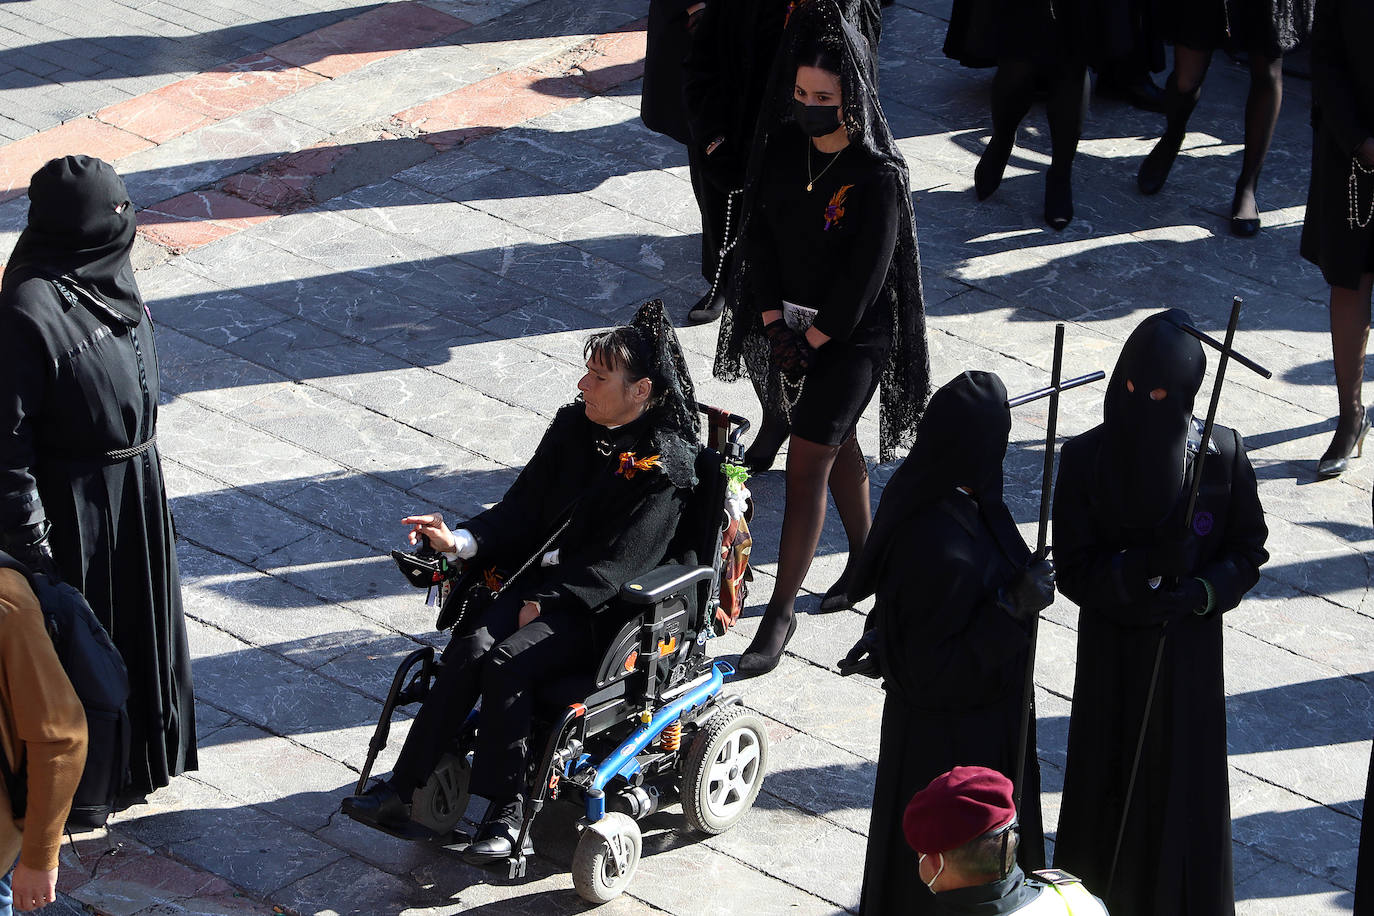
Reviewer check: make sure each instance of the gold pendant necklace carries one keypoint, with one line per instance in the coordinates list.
(812, 179)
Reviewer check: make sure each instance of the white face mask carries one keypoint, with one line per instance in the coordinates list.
(936, 877)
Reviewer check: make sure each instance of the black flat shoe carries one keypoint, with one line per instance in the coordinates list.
(1058, 203)
(1349, 438)
(494, 845)
(707, 309)
(755, 664)
(381, 805)
(1244, 228)
(1154, 171)
(987, 176)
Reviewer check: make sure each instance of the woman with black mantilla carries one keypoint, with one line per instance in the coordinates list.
(596, 506)
(81, 486)
(957, 593)
(1145, 583)
(825, 300)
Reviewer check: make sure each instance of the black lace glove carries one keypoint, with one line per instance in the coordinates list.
(863, 658)
(1031, 592)
(1176, 602)
(791, 353)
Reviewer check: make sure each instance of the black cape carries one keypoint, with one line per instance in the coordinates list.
(1175, 858)
(953, 661)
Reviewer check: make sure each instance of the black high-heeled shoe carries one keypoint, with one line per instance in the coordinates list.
(987, 175)
(1349, 438)
(755, 664)
(1243, 227)
(836, 598)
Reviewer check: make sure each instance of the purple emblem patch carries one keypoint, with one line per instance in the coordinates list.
(1202, 524)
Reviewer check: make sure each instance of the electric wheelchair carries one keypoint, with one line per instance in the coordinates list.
(651, 722)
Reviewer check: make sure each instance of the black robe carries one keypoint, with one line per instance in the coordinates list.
(1175, 858)
(607, 520)
(955, 666)
(1364, 872)
(662, 107)
(80, 380)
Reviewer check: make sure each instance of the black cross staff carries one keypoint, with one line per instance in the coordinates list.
(1227, 354)
(1056, 387)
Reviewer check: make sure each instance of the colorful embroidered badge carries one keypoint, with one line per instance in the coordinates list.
(630, 466)
(1203, 523)
(834, 211)
(788, 18)
(491, 579)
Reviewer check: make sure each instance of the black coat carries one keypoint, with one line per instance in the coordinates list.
(1175, 859)
(77, 381)
(954, 665)
(662, 106)
(609, 523)
(1342, 119)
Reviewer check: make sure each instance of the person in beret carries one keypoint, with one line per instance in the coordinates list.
(964, 830)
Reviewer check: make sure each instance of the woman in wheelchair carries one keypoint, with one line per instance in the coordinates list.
(595, 506)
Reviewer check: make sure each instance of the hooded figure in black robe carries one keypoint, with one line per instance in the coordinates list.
(81, 486)
(950, 629)
(1142, 580)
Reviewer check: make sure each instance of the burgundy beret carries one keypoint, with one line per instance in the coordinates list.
(957, 807)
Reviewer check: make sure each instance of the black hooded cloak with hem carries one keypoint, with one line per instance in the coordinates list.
(80, 381)
(953, 661)
(1121, 490)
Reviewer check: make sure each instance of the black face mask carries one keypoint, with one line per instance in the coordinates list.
(816, 120)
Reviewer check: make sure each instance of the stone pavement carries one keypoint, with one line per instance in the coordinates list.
(374, 237)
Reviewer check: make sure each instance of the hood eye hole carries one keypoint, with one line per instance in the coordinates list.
(1130, 386)
(1158, 394)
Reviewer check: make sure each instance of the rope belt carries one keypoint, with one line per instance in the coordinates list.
(124, 454)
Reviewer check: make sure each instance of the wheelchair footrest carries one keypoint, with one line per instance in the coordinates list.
(517, 866)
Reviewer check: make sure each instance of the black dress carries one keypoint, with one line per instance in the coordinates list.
(1053, 33)
(1269, 28)
(1342, 118)
(828, 249)
(954, 699)
(80, 380)
(1175, 859)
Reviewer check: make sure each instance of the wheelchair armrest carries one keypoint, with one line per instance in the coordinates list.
(658, 584)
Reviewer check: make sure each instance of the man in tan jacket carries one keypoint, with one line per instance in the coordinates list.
(42, 729)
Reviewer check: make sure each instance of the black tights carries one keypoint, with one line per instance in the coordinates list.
(1013, 90)
(810, 467)
(1261, 114)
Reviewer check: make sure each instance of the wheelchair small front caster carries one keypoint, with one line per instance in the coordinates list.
(606, 857)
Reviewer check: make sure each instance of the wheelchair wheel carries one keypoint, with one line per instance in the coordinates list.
(439, 804)
(724, 770)
(606, 858)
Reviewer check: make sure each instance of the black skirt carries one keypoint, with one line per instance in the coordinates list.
(1269, 28)
(1050, 33)
(836, 390)
(1342, 249)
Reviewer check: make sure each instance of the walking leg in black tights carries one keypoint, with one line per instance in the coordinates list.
(1068, 101)
(849, 489)
(1013, 90)
(803, 515)
(1181, 93)
(1261, 116)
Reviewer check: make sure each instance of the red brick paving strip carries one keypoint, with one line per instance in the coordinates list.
(231, 89)
(283, 185)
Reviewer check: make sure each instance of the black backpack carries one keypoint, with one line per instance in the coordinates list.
(101, 681)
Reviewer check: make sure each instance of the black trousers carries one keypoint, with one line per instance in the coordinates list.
(504, 664)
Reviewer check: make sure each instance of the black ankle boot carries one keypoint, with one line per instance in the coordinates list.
(496, 839)
(1350, 433)
(1154, 171)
